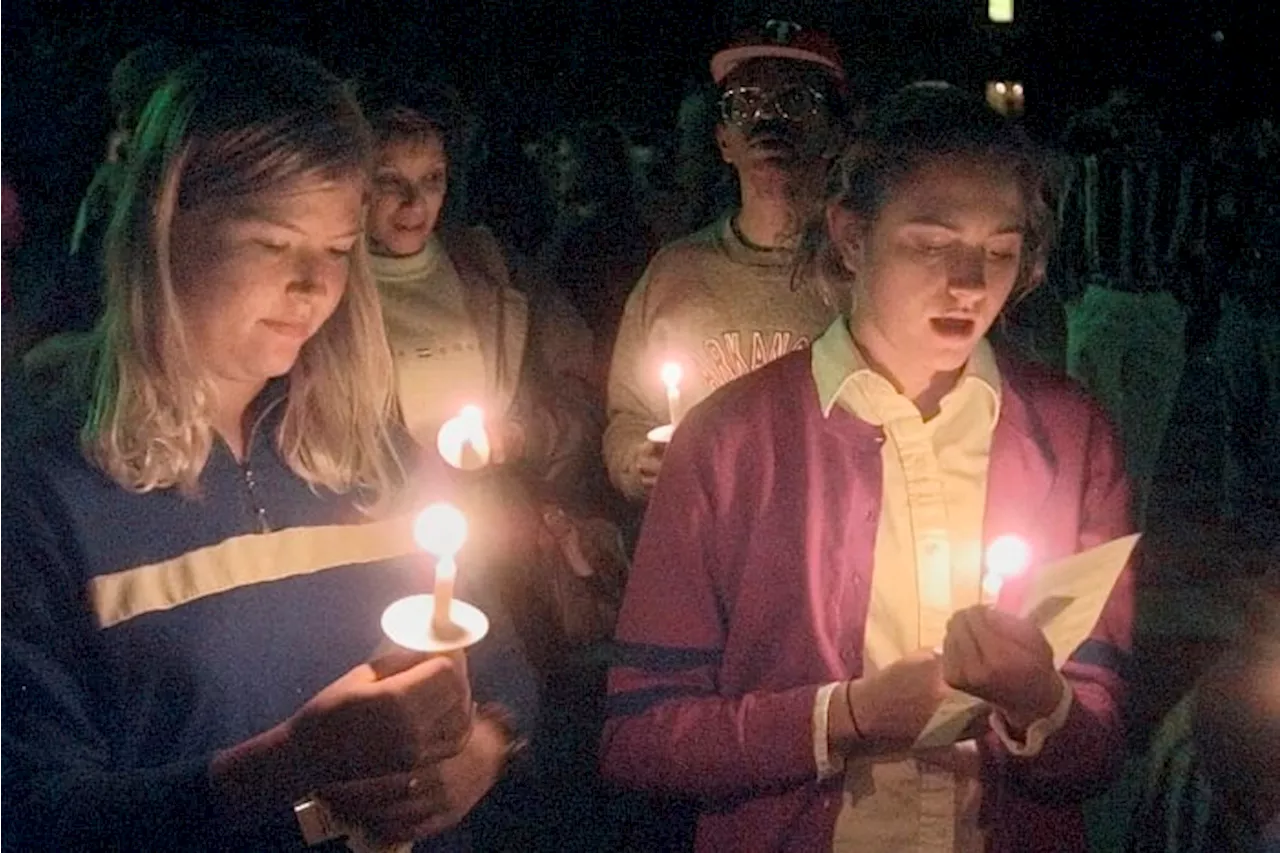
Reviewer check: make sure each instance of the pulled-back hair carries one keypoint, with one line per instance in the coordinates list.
(400, 109)
(233, 123)
(910, 129)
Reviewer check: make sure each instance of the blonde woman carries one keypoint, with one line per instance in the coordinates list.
(196, 541)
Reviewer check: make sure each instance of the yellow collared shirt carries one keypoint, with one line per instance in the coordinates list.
(928, 557)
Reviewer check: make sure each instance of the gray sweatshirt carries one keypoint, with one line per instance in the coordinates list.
(718, 308)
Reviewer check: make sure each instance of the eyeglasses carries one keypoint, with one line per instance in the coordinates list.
(743, 104)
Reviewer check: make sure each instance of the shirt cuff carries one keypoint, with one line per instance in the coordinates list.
(828, 765)
(1039, 731)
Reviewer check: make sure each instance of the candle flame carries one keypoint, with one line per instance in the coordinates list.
(441, 530)
(465, 428)
(1007, 557)
(672, 373)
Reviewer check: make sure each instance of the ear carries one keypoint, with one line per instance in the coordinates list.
(722, 142)
(848, 236)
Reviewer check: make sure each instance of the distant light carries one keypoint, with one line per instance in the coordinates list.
(1000, 11)
(1001, 88)
(1017, 89)
(1218, 36)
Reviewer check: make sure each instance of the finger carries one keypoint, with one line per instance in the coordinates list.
(459, 661)
(395, 661)
(437, 824)
(446, 736)
(431, 672)
(362, 796)
(1003, 634)
(1011, 627)
(407, 820)
(963, 654)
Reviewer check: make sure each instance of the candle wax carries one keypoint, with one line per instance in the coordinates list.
(446, 577)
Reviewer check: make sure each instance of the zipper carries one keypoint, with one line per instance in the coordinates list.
(247, 475)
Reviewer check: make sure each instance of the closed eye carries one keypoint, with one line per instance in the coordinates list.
(933, 249)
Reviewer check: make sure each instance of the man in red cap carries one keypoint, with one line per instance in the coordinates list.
(721, 302)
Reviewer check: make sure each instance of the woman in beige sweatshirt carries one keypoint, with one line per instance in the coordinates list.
(462, 330)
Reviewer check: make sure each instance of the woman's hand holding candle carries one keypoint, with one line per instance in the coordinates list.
(428, 800)
(649, 464)
(1003, 659)
(885, 712)
(362, 726)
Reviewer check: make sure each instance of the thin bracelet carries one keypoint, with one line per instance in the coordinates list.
(853, 718)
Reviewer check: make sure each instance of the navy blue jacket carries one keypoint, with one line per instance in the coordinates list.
(144, 632)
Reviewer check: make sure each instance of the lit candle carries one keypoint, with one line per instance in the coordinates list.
(463, 441)
(441, 530)
(672, 373)
(1007, 557)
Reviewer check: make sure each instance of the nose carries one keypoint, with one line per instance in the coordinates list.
(411, 196)
(317, 273)
(966, 269)
(768, 109)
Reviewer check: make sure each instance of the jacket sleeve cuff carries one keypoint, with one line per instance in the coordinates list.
(1037, 733)
(828, 765)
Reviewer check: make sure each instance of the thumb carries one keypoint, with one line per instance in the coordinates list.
(418, 673)
(393, 661)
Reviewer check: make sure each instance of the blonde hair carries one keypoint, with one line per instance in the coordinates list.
(233, 123)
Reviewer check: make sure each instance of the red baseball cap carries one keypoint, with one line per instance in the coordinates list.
(779, 40)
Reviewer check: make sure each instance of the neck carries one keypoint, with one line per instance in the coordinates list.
(231, 418)
(922, 386)
(773, 203)
(381, 251)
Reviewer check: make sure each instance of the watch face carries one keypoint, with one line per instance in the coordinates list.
(316, 822)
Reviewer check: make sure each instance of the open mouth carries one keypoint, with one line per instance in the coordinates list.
(953, 327)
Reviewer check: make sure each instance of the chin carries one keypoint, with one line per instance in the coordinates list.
(403, 245)
(280, 362)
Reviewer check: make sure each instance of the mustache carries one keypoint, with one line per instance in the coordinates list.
(770, 128)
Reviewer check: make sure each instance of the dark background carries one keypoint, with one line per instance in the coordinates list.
(531, 63)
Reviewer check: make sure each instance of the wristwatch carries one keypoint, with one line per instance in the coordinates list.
(319, 826)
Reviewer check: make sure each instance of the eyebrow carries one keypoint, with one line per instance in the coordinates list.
(940, 222)
(279, 223)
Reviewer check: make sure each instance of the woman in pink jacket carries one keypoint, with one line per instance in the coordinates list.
(809, 582)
